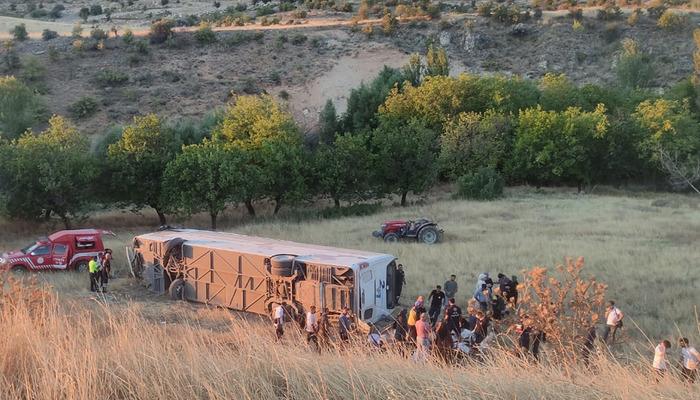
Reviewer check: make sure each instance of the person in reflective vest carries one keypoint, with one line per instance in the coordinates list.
(94, 270)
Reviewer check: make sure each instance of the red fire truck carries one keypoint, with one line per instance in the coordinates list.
(63, 250)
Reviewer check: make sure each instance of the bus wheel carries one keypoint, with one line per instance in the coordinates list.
(177, 289)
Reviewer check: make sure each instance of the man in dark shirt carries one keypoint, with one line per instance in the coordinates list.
(437, 297)
(482, 327)
(399, 281)
(344, 325)
(453, 315)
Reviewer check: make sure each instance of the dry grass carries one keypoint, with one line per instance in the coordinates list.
(134, 345)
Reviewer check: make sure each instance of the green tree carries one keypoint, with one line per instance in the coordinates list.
(328, 123)
(557, 93)
(405, 154)
(49, 174)
(20, 108)
(558, 147)
(19, 32)
(364, 101)
(696, 67)
(344, 170)
(634, 69)
(436, 61)
(413, 70)
(473, 141)
(204, 177)
(667, 125)
(138, 160)
(261, 126)
(84, 13)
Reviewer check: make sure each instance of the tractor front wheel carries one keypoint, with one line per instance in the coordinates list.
(429, 235)
(391, 238)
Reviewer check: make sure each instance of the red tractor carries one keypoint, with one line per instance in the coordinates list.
(421, 230)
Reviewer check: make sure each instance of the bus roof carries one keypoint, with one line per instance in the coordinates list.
(267, 247)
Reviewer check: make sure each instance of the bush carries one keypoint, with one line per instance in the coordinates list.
(263, 11)
(299, 14)
(56, 11)
(205, 35)
(611, 32)
(485, 9)
(355, 210)
(243, 37)
(95, 9)
(84, 13)
(672, 21)
(98, 34)
(286, 7)
(128, 37)
(298, 38)
(77, 31)
(609, 13)
(485, 184)
(633, 18)
(161, 31)
(48, 34)
(656, 12)
(164, 2)
(19, 32)
(38, 13)
(110, 77)
(576, 13)
(140, 46)
(240, 7)
(83, 108)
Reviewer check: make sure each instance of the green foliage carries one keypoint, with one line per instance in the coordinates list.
(84, 13)
(634, 69)
(485, 9)
(344, 170)
(354, 210)
(436, 62)
(205, 177)
(298, 39)
(128, 37)
(96, 10)
(673, 21)
(389, 23)
(48, 34)
(251, 120)
(364, 101)
(110, 136)
(405, 156)
(111, 77)
(413, 70)
(609, 13)
(20, 108)
(558, 147)
(472, 141)
(667, 124)
(138, 161)
(263, 11)
(484, 184)
(205, 34)
(328, 123)
(161, 31)
(19, 32)
(557, 92)
(656, 12)
(98, 34)
(244, 37)
(85, 107)
(50, 174)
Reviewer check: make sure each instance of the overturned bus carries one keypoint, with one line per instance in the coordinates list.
(255, 274)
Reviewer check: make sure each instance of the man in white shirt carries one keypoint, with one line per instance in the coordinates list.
(311, 326)
(691, 360)
(660, 363)
(613, 317)
(279, 317)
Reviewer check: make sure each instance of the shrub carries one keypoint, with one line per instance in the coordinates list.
(611, 32)
(577, 26)
(355, 210)
(634, 68)
(48, 34)
(299, 14)
(140, 46)
(576, 13)
(161, 31)
(485, 9)
(128, 37)
(96, 9)
(656, 12)
(275, 78)
(485, 184)
(537, 13)
(609, 13)
(84, 13)
(286, 7)
(284, 95)
(98, 34)
(38, 13)
(298, 38)
(56, 11)
(19, 32)
(83, 108)
(243, 37)
(77, 31)
(263, 11)
(205, 35)
(389, 23)
(240, 7)
(672, 21)
(110, 77)
(164, 2)
(634, 17)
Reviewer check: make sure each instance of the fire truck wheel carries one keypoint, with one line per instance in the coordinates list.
(81, 266)
(18, 269)
(177, 289)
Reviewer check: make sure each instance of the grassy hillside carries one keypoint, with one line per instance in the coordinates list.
(130, 344)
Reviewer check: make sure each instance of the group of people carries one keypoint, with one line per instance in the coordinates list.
(689, 360)
(100, 270)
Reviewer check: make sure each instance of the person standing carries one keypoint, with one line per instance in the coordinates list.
(414, 316)
(613, 321)
(513, 294)
(400, 327)
(323, 328)
(105, 270)
(312, 326)
(400, 280)
(588, 344)
(504, 284)
(94, 270)
(344, 325)
(436, 297)
(660, 364)
(690, 359)
(451, 287)
(423, 334)
(280, 314)
(481, 328)
(453, 315)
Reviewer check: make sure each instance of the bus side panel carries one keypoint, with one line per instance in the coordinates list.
(226, 278)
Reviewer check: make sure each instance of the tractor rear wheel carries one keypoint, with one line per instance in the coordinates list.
(391, 238)
(429, 235)
(177, 289)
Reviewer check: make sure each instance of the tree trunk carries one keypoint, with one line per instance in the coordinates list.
(213, 216)
(66, 221)
(403, 198)
(250, 208)
(580, 187)
(161, 218)
(336, 201)
(278, 204)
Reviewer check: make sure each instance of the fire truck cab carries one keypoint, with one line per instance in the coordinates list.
(63, 250)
